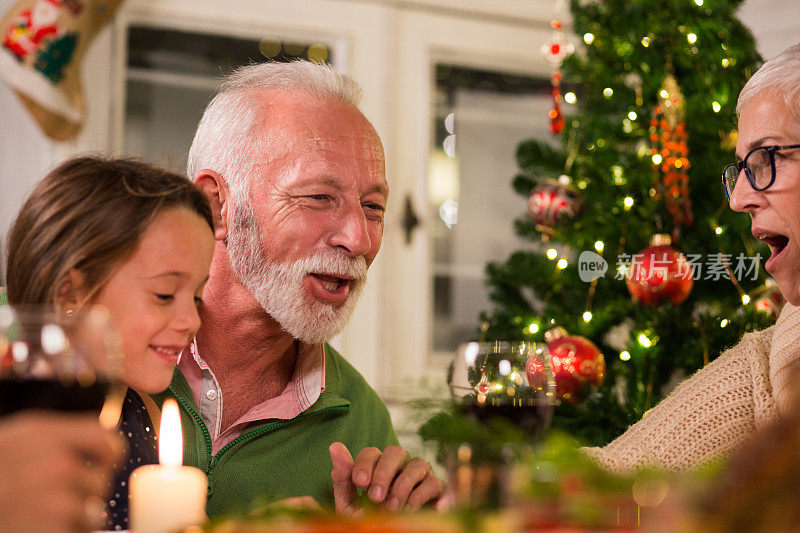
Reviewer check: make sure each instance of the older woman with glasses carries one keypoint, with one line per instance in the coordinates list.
(714, 412)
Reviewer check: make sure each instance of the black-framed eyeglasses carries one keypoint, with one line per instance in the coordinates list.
(758, 166)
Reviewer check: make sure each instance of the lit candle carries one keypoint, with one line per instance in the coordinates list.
(167, 497)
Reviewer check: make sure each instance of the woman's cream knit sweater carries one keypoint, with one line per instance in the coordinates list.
(713, 412)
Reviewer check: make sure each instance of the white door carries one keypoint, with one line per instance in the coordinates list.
(463, 200)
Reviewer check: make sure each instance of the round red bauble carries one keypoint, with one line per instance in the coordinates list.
(659, 273)
(553, 202)
(577, 365)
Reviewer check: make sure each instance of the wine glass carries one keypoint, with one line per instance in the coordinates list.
(63, 363)
(496, 383)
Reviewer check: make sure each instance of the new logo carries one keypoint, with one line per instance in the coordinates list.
(591, 266)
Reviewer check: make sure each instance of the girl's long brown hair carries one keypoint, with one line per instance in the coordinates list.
(89, 214)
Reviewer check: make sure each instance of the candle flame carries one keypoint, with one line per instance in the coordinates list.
(170, 446)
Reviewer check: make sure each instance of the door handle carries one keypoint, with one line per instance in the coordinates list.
(410, 219)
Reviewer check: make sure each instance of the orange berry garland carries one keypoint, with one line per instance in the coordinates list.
(670, 152)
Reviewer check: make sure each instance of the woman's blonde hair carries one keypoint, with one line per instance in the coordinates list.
(89, 215)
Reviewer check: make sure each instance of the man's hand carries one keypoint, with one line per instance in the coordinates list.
(389, 478)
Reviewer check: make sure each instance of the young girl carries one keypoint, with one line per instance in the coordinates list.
(137, 240)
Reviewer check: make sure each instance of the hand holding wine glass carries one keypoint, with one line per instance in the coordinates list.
(56, 377)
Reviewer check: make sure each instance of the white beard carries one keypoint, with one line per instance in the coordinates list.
(278, 287)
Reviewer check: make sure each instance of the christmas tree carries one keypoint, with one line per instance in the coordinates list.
(655, 88)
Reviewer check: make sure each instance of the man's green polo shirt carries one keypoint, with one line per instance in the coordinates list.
(275, 459)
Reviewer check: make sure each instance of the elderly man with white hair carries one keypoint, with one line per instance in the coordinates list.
(295, 176)
(750, 385)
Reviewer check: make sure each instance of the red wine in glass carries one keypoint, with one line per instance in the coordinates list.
(51, 394)
(527, 416)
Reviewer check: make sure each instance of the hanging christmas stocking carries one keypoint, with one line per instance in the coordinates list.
(41, 46)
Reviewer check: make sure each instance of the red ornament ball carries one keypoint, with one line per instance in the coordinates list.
(552, 203)
(659, 273)
(577, 365)
(771, 302)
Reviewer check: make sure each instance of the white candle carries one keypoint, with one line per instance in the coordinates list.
(167, 497)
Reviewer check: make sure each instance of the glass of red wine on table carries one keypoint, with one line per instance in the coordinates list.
(60, 363)
(508, 388)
